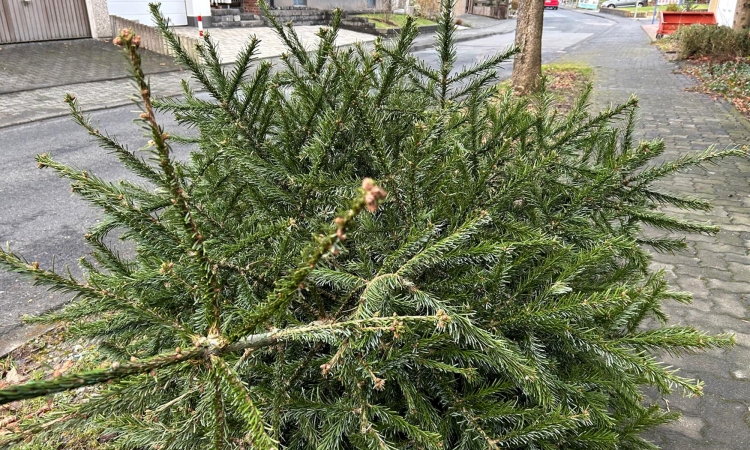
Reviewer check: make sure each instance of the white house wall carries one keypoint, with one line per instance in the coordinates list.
(198, 8)
(724, 12)
(138, 10)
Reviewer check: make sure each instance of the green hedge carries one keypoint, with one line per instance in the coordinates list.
(715, 42)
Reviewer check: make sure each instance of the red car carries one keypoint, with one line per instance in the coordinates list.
(551, 4)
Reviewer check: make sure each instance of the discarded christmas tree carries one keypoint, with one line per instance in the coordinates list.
(487, 290)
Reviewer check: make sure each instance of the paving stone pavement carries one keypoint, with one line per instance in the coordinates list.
(714, 268)
(57, 63)
(232, 40)
(37, 104)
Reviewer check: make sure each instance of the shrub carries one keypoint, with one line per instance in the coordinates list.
(689, 5)
(276, 297)
(428, 8)
(714, 42)
(672, 7)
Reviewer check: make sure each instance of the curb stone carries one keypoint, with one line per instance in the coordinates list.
(20, 335)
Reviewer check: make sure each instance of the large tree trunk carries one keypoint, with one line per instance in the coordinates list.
(742, 15)
(527, 66)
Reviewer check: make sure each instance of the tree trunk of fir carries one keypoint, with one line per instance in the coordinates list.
(742, 15)
(527, 66)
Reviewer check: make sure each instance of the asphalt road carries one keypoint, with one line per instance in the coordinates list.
(39, 217)
(562, 30)
(41, 220)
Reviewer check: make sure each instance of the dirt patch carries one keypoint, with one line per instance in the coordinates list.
(566, 83)
(46, 357)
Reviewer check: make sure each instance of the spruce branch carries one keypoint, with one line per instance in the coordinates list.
(667, 222)
(233, 390)
(596, 122)
(182, 56)
(446, 48)
(333, 332)
(118, 371)
(664, 244)
(710, 155)
(287, 286)
(397, 54)
(208, 51)
(497, 300)
(211, 292)
(210, 348)
(85, 293)
(118, 203)
(220, 425)
(489, 64)
(128, 158)
(435, 253)
(289, 38)
(244, 59)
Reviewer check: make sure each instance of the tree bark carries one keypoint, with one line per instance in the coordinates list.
(742, 15)
(527, 65)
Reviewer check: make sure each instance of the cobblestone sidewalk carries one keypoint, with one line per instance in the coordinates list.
(715, 269)
(57, 63)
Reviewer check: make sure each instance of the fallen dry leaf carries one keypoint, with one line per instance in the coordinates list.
(13, 377)
(62, 368)
(44, 409)
(7, 421)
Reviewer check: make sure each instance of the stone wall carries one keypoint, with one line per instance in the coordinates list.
(497, 12)
(329, 5)
(642, 12)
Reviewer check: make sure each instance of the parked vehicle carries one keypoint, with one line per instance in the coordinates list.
(551, 4)
(622, 3)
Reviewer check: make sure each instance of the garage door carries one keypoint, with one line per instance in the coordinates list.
(43, 20)
(138, 10)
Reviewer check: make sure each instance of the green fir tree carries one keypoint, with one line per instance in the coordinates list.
(489, 290)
